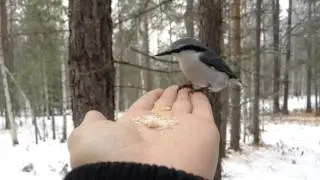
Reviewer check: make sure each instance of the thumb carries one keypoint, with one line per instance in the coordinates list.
(93, 115)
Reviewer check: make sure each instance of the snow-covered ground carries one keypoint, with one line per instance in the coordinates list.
(291, 152)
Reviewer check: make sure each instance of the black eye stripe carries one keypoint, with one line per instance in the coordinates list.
(190, 47)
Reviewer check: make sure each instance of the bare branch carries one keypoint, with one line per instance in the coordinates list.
(152, 57)
(144, 68)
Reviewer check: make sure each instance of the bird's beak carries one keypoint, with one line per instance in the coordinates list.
(164, 53)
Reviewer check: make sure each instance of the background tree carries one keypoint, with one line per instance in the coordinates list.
(256, 81)
(91, 62)
(210, 32)
(276, 54)
(236, 56)
(287, 62)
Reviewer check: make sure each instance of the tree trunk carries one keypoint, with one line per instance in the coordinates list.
(236, 92)
(120, 98)
(189, 18)
(287, 62)
(13, 126)
(64, 101)
(46, 100)
(276, 65)
(225, 117)
(53, 121)
(6, 50)
(91, 63)
(5, 60)
(210, 13)
(147, 75)
(309, 60)
(256, 78)
(27, 104)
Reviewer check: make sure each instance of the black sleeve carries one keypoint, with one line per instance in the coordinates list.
(127, 171)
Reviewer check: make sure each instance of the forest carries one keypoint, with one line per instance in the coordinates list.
(61, 58)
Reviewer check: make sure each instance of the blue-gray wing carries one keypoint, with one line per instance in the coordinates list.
(213, 61)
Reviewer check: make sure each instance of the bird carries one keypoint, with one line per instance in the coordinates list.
(201, 66)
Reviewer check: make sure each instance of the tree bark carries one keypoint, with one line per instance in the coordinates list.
(91, 63)
(189, 18)
(276, 53)
(256, 78)
(236, 92)
(210, 13)
(287, 62)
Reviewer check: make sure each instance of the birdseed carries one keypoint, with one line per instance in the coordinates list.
(156, 120)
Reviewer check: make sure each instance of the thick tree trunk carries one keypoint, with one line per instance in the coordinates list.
(189, 18)
(91, 63)
(256, 79)
(210, 13)
(309, 60)
(276, 49)
(287, 62)
(236, 92)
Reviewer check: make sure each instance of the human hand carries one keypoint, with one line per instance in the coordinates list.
(191, 145)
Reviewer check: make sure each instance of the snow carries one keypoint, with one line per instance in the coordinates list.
(291, 151)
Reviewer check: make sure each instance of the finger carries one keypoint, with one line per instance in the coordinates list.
(201, 105)
(183, 102)
(167, 98)
(146, 102)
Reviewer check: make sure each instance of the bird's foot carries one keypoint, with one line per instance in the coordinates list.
(198, 90)
(189, 85)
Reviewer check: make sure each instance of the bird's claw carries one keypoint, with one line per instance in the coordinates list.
(198, 90)
(185, 86)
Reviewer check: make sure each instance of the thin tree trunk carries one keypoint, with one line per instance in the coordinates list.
(13, 126)
(210, 13)
(46, 100)
(91, 61)
(287, 62)
(236, 92)
(120, 98)
(225, 117)
(53, 121)
(6, 50)
(309, 60)
(5, 59)
(64, 99)
(189, 18)
(27, 104)
(276, 65)
(256, 79)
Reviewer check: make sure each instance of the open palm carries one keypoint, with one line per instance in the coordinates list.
(190, 145)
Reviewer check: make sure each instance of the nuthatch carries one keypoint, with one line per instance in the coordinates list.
(201, 66)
